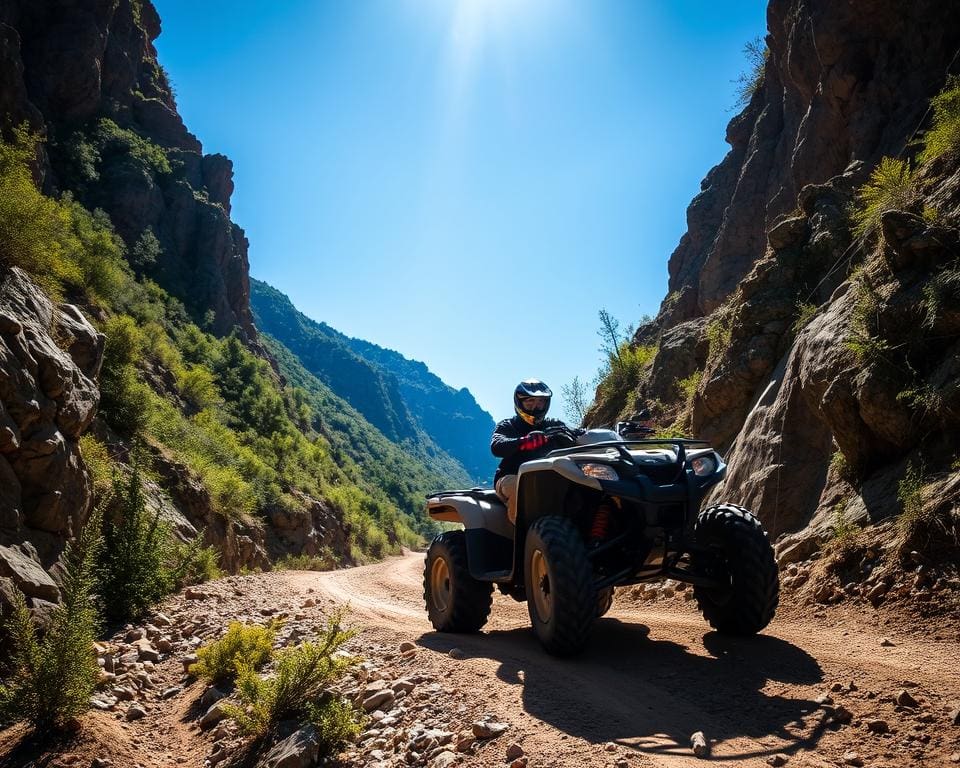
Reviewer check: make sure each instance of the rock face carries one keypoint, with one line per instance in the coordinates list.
(843, 82)
(66, 68)
(824, 368)
(50, 357)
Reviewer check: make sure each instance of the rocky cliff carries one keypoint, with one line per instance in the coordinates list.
(822, 357)
(85, 76)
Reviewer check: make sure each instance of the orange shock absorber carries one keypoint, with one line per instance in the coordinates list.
(601, 523)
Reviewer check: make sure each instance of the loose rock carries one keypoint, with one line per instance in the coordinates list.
(698, 743)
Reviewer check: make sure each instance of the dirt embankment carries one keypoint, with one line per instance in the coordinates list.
(820, 687)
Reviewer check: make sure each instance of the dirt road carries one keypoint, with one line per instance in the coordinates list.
(655, 674)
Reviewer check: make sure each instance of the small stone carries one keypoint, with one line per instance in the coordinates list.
(955, 757)
(211, 696)
(136, 712)
(465, 742)
(852, 758)
(406, 645)
(520, 762)
(161, 620)
(954, 716)
(309, 603)
(825, 698)
(777, 760)
(622, 762)
(169, 693)
(443, 759)
(841, 714)
(904, 699)
(887, 643)
(488, 729)
(188, 661)
(610, 747)
(381, 699)
(213, 715)
(101, 762)
(456, 653)
(877, 726)
(514, 751)
(698, 743)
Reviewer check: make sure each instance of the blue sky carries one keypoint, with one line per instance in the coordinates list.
(467, 182)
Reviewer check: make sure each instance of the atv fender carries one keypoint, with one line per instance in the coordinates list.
(488, 532)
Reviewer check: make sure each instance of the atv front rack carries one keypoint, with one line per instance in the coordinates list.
(474, 493)
(621, 447)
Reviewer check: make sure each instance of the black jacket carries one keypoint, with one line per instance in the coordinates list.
(505, 444)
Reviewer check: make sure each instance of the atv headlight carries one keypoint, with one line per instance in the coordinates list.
(703, 466)
(600, 471)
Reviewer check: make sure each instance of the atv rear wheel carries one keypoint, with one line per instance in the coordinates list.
(733, 548)
(604, 601)
(561, 597)
(456, 602)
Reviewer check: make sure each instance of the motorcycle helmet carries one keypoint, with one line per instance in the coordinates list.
(532, 388)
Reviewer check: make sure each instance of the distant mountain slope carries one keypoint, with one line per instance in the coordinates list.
(400, 397)
(451, 417)
(377, 465)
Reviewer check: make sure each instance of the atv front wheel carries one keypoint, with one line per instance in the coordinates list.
(456, 602)
(561, 597)
(733, 548)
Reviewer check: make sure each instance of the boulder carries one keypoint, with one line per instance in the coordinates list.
(298, 750)
(27, 575)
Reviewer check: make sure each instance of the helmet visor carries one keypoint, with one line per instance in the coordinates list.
(535, 405)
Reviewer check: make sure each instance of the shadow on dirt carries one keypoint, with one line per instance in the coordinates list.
(650, 695)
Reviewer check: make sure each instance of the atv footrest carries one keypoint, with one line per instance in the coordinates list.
(494, 576)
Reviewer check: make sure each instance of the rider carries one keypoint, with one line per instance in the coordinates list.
(523, 437)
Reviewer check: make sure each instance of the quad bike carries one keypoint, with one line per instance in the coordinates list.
(613, 508)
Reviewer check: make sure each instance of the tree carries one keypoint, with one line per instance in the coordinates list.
(575, 399)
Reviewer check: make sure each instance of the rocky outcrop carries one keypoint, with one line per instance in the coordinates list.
(827, 363)
(65, 67)
(50, 357)
(843, 82)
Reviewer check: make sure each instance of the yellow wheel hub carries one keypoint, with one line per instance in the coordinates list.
(440, 588)
(542, 595)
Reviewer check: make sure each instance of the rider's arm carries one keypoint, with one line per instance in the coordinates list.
(505, 441)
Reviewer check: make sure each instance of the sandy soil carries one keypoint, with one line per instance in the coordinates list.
(652, 675)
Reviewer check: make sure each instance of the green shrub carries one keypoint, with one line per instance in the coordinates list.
(805, 313)
(133, 570)
(243, 647)
(942, 291)
(298, 688)
(862, 337)
(101, 467)
(54, 677)
(111, 139)
(891, 187)
(325, 561)
(720, 332)
(198, 387)
(944, 135)
(842, 528)
(749, 82)
(910, 495)
(688, 386)
(61, 244)
(193, 563)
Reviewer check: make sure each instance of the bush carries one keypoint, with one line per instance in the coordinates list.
(124, 398)
(54, 677)
(133, 570)
(688, 386)
(243, 647)
(298, 688)
(862, 337)
(748, 83)
(193, 563)
(62, 245)
(944, 135)
(891, 187)
(325, 561)
(805, 313)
